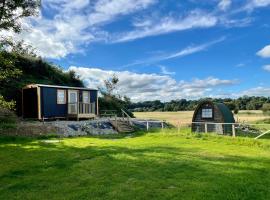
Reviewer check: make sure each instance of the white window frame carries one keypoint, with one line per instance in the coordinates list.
(64, 97)
(207, 113)
(86, 94)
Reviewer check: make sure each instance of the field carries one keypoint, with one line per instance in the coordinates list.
(186, 116)
(157, 165)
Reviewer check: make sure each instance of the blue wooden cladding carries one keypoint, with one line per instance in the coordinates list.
(59, 102)
(49, 106)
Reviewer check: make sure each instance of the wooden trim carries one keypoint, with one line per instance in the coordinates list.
(89, 97)
(22, 105)
(77, 103)
(38, 103)
(30, 86)
(97, 105)
(65, 98)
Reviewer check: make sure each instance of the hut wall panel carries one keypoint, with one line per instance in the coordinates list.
(93, 99)
(50, 108)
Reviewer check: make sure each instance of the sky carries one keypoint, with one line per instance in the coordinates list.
(159, 49)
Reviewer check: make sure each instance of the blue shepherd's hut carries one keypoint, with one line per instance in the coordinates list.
(51, 101)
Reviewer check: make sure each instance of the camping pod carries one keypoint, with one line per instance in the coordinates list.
(51, 101)
(212, 117)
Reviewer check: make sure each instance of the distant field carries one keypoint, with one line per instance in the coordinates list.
(186, 116)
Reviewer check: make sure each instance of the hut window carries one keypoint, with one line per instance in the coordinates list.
(207, 113)
(61, 97)
(86, 97)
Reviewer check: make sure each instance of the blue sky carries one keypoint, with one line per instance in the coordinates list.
(160, 49)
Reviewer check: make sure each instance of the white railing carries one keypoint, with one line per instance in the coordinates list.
(234, 129)
(81, 108)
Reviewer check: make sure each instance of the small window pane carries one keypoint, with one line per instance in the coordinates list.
(73, 97)
(86, 97)
(207, 113)
(61, 96)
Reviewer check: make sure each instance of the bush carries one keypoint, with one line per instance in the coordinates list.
(8, 119)
(10, 105)
(236, 110)
(266, 108)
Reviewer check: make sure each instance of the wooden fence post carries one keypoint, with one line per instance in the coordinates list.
(178, 127)
(205, 128)
(147, 125)
(233, 130)
(162, 125)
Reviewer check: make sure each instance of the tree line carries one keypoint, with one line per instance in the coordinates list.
(241, 103)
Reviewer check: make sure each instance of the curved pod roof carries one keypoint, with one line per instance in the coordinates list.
(225, 112)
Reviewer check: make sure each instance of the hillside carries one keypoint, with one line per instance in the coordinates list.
(34, 70)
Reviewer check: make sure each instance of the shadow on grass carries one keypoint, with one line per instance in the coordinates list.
(29, 168)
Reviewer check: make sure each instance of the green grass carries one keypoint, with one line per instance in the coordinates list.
(157, 165)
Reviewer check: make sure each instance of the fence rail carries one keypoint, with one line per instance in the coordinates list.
(253, 130)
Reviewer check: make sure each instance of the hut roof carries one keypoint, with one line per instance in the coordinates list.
(57, 86)
(227, 114)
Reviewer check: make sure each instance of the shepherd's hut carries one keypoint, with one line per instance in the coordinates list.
(51, 101)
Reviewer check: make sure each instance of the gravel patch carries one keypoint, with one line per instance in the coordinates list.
(82, 128)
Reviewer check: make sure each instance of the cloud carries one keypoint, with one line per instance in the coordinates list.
(266, 68)
(73, 24)
(241, 65)
(257, 91)
(264, 52)
(142, 86)
(165, 71)
(65, 27)
(224, 4)
(195, 19)
(181, 53)
(252, 4)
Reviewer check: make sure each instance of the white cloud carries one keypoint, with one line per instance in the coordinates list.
(67, 26)
(107, 10)
(266, 68)
(165, 71)
(253, 4)
(184, 52)
(73, 25)
(257, 91)
(195, 19)
(241, 65)
(224, 4)
(264, 52)
(144, 86)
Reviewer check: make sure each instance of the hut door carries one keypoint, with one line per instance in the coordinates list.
(72, 101)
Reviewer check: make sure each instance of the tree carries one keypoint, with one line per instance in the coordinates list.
(236, 110)
(110, 86)
(11, 11)
(110, 100)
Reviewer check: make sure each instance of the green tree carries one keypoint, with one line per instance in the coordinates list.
(13, 10)
(110, 100)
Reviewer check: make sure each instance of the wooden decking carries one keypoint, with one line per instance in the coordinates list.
(82, 116)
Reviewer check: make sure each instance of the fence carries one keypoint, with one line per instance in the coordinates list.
(255, 131)
(149, 124)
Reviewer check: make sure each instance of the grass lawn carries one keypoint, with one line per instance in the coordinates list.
(157, 165)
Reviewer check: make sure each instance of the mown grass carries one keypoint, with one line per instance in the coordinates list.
(156, 165)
